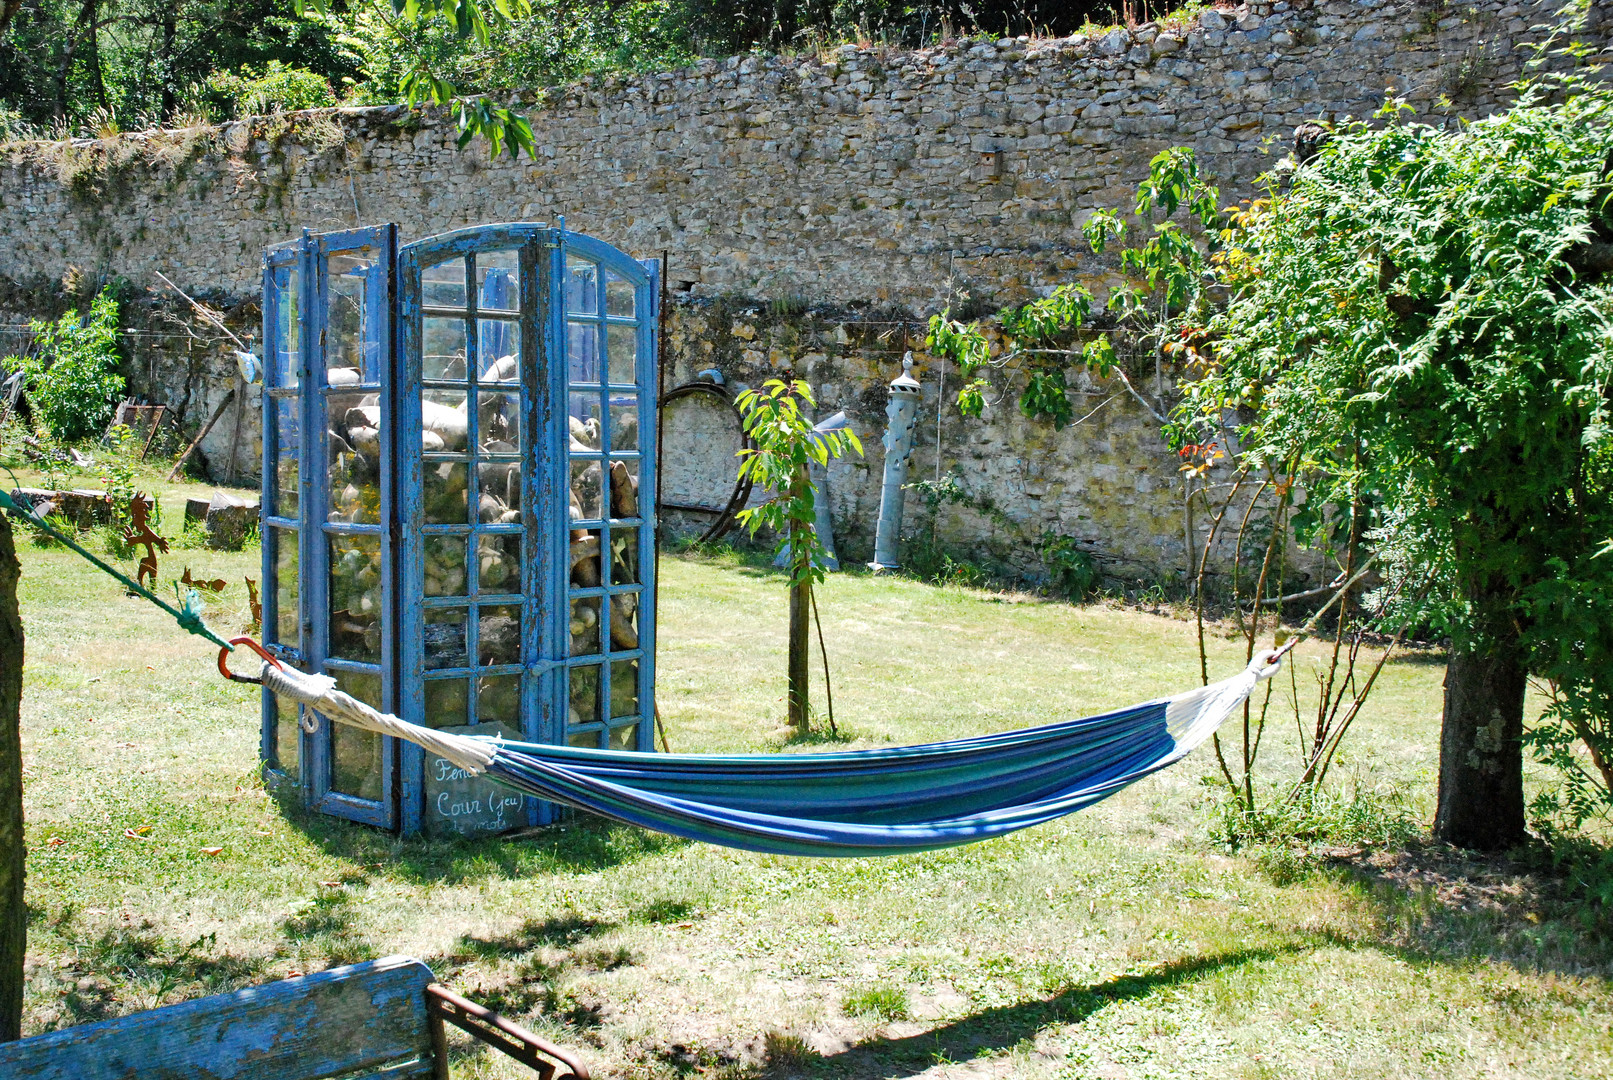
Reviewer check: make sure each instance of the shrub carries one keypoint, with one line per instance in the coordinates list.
(277, 88)
(73, 382)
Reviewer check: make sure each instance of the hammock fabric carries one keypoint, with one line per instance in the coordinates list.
(865, 802)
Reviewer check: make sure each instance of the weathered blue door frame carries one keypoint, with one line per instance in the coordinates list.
(346, 306)
(569, 328)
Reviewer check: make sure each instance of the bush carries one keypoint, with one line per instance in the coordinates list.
(277, 88)
(1282, 832)
(73, 381)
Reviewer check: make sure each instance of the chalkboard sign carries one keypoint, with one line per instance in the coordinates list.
(460, 804)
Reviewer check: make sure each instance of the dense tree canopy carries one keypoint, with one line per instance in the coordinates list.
(101, 65)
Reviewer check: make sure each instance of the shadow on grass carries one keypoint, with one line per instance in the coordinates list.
(583, 844)
(542, 955)
(1431, 902)
(997, 1029)
(159, 969)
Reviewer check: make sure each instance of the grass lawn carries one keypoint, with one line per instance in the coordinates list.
(1116, 943)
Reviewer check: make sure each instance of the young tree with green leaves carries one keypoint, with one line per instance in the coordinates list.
(1422, 321)
(787, 445)
(72, 374)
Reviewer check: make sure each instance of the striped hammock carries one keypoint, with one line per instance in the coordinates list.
(863, 802)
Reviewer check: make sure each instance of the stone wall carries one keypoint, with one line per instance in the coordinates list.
(849, 194)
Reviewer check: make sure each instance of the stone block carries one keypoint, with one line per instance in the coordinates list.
(229, 519)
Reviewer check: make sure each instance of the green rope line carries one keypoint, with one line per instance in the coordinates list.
(189, 612)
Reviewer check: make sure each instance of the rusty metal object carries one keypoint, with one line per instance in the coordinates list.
(505, 1035)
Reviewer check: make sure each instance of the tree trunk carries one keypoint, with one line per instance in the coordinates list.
(1480, 746)
(13, 913)
(800, 642)
(800, 614)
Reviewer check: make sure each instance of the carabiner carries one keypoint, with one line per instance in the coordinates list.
(224, 670)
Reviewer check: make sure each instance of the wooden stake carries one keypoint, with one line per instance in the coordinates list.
(211, 420)
(13, 912)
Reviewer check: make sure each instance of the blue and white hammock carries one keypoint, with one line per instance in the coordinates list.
(863, 802)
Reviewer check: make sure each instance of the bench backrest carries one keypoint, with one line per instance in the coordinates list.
(368, 1016)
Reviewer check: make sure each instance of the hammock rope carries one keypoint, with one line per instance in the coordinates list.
(855, 803)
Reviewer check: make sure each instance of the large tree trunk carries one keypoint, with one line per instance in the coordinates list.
(1480, 746)
(13, 914)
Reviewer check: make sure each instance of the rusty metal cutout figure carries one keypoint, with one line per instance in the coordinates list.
(139, 533)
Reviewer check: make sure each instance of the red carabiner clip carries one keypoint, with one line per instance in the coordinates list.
(224, 670)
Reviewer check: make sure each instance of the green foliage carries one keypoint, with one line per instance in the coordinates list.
(786, 445)
(1072, 570)
(276, 88)
(1417, 325)
(886, 1000)
(73, 381)
(1285, 833)
(1159, 304)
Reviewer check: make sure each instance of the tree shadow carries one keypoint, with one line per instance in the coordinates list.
(541, 956)
(1433, 902)
(1001, 1028)
(582, 843)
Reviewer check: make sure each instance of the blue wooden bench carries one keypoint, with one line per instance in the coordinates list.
(382, 1019)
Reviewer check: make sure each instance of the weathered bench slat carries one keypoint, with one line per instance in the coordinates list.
(366, 1016)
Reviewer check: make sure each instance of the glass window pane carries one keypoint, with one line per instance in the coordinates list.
(624, 688)
(499, 275)
(442, 348)
(443, 285)
(624, 488)
(582, 352)
(288, 445)
(584, 558)
(351, 327)
(624, 737)
(585, 490)
(443, 492)
(498, 419)
(624, 621)
(623, 422)
(355, 485)
(585, 626)
(355, 598)
(445, 638)
(446, 702)
(287, 359)
(585, 423)
(355, 755)
(445, 566)
(498, 700)
(501, 492)
(498, 635)
(498, 558)
(586, 740)
(285, 737)
(582, 286)
(584, 695)
(498, 351)
(442, 419)
(618, 295)
(624, 556)
(622, 344)
(288, 625)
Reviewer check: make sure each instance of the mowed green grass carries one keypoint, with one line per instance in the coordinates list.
(1116, 943)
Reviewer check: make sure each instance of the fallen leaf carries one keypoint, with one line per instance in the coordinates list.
(125, 745)
(293, 974)
(331, 884)
(139, 833)
(686, 926)
(95, 678)
(55, 841)
(150, 668)
(212, 850)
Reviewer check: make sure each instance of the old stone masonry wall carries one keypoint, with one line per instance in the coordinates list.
(849, 195)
